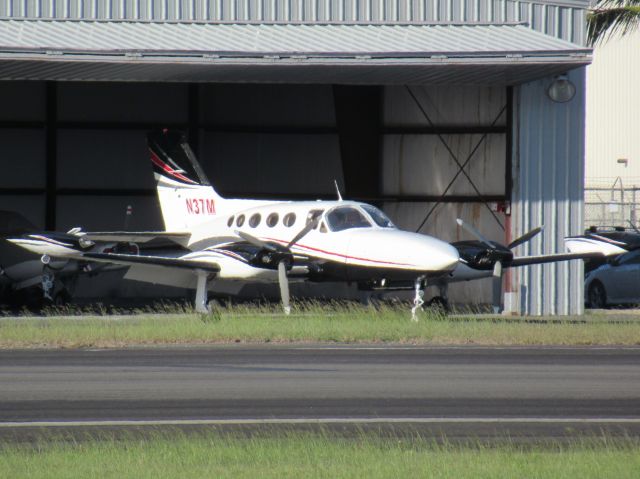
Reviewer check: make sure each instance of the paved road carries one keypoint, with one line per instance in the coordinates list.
(548, 389)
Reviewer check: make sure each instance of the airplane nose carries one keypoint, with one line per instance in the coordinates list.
(444, 256)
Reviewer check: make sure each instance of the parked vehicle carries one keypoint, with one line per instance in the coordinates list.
(615, 283)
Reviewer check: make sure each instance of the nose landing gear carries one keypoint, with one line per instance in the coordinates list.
(438, 304)
(418, 300)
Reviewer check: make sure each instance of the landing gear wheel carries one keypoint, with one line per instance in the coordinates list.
(438, 305)
(57, 299)
(597, 296)
(215, 304)
(372, 300)
(61, 298)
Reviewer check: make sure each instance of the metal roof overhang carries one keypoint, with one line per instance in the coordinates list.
(485, 54)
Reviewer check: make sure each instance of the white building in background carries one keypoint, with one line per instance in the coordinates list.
(612, 170)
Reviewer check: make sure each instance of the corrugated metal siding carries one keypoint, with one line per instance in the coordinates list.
(613, 104)
(548, 190)
(325, 40)
(562, 19)
(275, 53)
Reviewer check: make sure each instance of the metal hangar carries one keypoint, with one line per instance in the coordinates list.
(433, 109)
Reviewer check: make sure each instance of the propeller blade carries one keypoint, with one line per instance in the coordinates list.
(497, 287)
(525, 237)
(255, 241)
(475, 233)
(311, 225)
(284, 287)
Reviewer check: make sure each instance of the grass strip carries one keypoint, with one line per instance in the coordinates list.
(335, 323)
(316, 455)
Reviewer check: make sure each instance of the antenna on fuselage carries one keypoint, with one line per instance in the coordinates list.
(335, 182)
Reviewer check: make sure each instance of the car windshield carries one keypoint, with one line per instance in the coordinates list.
(632, 257)
(378, 216)
(346, 217)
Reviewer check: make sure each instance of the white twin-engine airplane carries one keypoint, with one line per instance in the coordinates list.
(274, 241)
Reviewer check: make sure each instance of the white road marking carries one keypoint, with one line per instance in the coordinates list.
(376, 420)
(463, 348)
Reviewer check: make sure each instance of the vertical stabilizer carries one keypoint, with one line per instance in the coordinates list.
(186, 197)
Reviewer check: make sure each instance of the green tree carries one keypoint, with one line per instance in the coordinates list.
(610, 17)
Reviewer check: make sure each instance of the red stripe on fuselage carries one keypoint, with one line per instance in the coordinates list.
(342, 255)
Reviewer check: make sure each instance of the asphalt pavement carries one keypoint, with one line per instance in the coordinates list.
(463, 391)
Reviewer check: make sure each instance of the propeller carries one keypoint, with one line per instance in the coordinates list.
(498, 253)
(256, 241)
(283, 280)
(525, 237)
(497, 287)
(310, 225)
(475, 233)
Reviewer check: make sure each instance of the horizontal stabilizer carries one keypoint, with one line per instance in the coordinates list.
(137, 237)
(552, 258)
(131, 259)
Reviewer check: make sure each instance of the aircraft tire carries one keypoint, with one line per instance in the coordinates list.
(438, 305)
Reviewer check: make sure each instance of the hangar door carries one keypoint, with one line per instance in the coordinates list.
(445, 156)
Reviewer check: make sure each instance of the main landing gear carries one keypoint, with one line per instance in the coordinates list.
(201, 303)
(54, 291)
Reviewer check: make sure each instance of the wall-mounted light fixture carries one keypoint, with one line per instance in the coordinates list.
(561, 89)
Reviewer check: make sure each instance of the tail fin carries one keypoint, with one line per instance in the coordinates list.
(186, 196)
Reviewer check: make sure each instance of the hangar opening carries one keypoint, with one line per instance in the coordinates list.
(430, 121)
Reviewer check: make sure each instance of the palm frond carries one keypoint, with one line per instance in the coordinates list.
(610, 18)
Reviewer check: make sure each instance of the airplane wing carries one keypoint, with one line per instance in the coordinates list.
(131, 260)
(137, 237)
(552, 258)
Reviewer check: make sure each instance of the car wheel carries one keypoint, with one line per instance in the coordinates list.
(597, 296)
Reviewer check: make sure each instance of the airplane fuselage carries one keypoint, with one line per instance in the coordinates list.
(346, 249)
(351, 242)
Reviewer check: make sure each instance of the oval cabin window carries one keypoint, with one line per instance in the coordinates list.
(289, 219)
(230, 222)
(254, 220)
(240, 220)
(272, 220)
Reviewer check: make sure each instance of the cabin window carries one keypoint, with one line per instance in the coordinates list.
(272, 220)
(254, 220)
(230, 222)
(240, 220)
(378, 216)
(346, 217)
(289, 219)
(312, 215)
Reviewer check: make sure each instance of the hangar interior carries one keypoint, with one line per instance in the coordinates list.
(79, 158)
(475, 139)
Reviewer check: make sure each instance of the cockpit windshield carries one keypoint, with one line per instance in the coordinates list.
(346, 217)
(378, 216)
